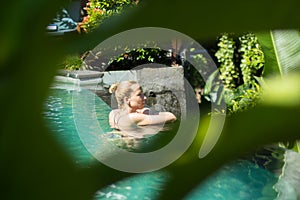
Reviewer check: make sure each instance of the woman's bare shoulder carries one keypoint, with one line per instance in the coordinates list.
(114, 111)
(112, 118)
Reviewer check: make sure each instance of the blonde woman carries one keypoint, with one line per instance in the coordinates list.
(131, 111)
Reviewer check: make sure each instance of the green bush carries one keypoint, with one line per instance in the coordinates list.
(241, 61)
(140, 56)
(71, 62)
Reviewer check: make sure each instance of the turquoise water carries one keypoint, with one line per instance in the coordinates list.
(242, 179)
(239, 180)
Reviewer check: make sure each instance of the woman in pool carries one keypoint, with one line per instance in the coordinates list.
(131, 110)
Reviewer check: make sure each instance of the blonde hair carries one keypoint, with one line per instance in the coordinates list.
(122, 90)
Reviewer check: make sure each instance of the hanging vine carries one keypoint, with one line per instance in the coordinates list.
(252, 58)
(225, 56)
(240, 60)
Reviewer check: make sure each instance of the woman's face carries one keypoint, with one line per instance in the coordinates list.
(137, 98)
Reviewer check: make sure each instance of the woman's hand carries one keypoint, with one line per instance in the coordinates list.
(170, 117)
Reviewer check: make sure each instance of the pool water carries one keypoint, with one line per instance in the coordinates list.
(241, 179)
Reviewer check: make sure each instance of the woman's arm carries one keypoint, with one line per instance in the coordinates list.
(144, 119)
(145, 111)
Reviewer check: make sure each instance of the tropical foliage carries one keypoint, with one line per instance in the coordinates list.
(285, 51)
(71, 62)
(140, 56)
(241, 61)
(252, 58)
(225, 54)
(97, 11)
(35, 166)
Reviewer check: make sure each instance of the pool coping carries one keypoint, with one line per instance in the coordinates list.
(74, 80)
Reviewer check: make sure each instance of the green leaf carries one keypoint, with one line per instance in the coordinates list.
(287, 47)
(271, 65)
(282, 51)
(209, 83)
(282, 55)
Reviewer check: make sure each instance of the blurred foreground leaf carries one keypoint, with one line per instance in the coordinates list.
(33, 166)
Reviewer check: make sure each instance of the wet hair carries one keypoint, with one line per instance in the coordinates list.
(122, 90)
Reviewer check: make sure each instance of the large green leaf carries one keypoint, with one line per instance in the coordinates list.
(282, 54)
(282, 51)
(271, 67)
(287, 47)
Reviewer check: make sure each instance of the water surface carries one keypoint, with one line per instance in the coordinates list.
(242, 179)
